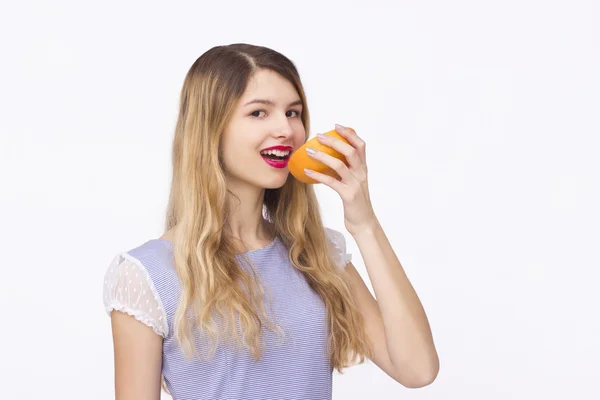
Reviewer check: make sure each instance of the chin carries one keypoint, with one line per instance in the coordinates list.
(274, 181)
(274, 184)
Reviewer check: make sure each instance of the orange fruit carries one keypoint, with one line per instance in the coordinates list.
(300, 159)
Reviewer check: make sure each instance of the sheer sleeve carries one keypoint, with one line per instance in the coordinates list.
(129, 289)
(337, 246)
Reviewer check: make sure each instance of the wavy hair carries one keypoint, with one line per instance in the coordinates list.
(218, 294)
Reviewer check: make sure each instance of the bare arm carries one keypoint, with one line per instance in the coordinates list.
(138, 359)
(396, 324)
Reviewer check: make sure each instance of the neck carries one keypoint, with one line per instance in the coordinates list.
(245, 220)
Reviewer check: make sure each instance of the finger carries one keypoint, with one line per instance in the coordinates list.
(334, 163)
(356, 142)
(327, 180)
(345, 149)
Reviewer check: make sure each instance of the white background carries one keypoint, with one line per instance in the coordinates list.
(481, 121)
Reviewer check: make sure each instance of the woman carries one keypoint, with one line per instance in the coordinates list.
(247, 295)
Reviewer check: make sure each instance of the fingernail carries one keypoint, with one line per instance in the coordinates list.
(321, 136)
(339, 126)
(310, 150)
(307, 171)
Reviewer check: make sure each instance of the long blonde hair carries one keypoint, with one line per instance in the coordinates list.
(214, 287)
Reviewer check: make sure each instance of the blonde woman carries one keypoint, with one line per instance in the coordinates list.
(247, 295)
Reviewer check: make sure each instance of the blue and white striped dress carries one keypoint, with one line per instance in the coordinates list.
(143, 283)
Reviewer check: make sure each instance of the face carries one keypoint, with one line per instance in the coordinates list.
(267, 115)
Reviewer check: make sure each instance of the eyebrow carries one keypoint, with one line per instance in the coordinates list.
(270, 103)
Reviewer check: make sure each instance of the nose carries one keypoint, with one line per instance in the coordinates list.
(283, 128)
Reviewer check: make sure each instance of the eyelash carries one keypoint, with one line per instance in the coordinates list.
(258, 111)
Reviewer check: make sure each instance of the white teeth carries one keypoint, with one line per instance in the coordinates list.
(278, 153)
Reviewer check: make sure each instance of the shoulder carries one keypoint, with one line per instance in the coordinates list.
(335, 236)
(154, 254)
(337, 247)
(153, 259)
(130, 284)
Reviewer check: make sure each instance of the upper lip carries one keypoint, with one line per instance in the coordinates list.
(283, 148)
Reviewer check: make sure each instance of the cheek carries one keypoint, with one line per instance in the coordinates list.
(237, 154)
(227, 154)
(299, 137)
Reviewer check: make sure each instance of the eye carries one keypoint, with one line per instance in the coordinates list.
(294, 111)
(254, 114)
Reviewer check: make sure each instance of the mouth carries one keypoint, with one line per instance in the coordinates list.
(277, 158)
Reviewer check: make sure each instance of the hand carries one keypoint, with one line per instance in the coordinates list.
(352, 186)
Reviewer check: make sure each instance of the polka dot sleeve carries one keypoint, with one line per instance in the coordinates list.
(129, 289)
(337, 246)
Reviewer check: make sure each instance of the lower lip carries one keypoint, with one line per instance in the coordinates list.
(276, 163)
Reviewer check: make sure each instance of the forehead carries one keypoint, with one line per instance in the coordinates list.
(267, 84)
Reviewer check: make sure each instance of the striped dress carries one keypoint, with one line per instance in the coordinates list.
(143, 283)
